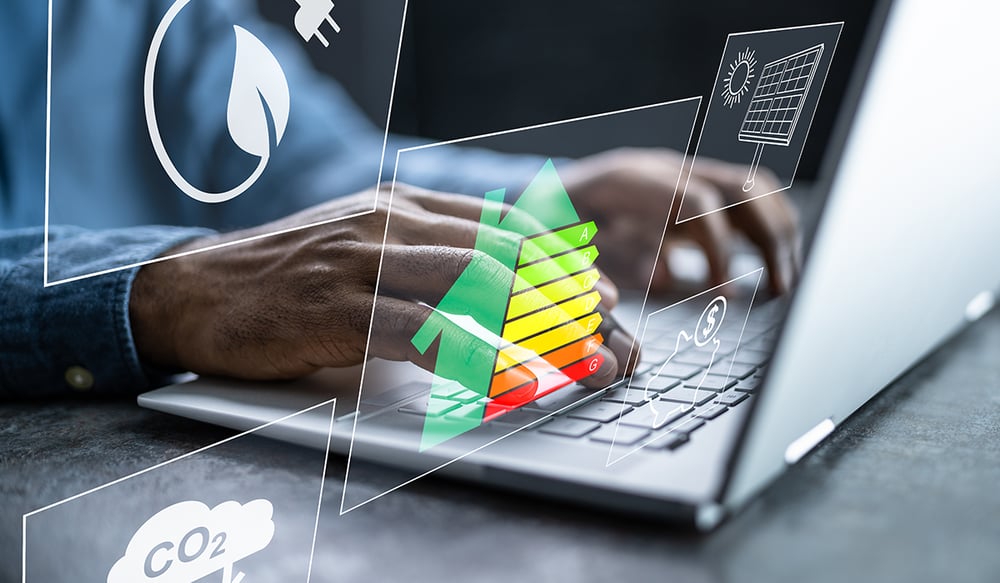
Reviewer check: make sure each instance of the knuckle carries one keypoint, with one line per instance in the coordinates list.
(767, 177)
(356, 315)
(406, 320)
(704, 198)
(460, 259)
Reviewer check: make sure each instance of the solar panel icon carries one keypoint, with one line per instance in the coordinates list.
(777, 103)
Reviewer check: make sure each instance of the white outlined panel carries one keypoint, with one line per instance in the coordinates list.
(690, 349)
(761, 108)
(180, 521)
(433, 429)
(173, 167)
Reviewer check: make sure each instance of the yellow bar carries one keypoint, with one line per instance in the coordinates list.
(521, 328)
(511, 355)
(553, 293)
(563, 335)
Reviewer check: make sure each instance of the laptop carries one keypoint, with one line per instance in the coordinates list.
(900, 256)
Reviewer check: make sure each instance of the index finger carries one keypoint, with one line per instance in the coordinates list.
(764, 214)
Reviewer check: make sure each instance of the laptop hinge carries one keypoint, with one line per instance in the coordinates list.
(810, 439)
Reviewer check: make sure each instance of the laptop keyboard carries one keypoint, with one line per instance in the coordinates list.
(668, 398)
(664, 403)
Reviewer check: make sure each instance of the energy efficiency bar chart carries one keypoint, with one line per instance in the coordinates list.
(541, 330)
(551, 319)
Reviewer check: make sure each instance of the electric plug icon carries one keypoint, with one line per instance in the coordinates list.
(311, 15)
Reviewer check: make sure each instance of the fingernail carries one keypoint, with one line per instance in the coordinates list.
(620, 343)
(607, 372)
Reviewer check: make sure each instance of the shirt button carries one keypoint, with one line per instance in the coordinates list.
(79, 378)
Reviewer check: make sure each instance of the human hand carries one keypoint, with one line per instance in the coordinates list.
(285, 305)
(632, 189)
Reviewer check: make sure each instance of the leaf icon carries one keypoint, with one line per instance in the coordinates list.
(257, 81)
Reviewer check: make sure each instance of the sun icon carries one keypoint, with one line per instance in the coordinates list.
(737, 82)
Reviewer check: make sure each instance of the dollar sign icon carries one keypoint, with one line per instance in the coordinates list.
(710, 321)
(710, 318)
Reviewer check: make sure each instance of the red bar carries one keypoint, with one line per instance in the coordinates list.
(520, 397)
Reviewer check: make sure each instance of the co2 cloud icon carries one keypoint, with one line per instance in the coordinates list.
(187, 541)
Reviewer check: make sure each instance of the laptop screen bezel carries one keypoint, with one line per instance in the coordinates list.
(832, 158)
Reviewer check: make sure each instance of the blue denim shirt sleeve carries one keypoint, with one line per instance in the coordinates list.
(330, 150)
(48, 330)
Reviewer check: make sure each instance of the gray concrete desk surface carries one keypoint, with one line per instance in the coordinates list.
(908, 490)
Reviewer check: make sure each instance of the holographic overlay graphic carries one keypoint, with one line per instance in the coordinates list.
(691, 356)
(504, 338)
(547, 321)
(244, 507)
(767, 89)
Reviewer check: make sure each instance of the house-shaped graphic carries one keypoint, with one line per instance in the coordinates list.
(533, 333)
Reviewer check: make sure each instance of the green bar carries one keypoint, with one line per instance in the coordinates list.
(538, 274)
(556, 242)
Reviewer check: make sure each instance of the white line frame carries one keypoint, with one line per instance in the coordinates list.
(614, 437)
(332, 403)
(364, 366)
(48, 159)
(708, 109)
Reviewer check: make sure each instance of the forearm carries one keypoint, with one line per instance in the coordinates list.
(73, 336)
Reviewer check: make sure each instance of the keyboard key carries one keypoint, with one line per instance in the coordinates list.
(520, 417)
(688, 396)
(600, 411)
(736, 370)
(732, 334)
(686, 426)
(562, 397)
(711, 412)
(397, 394)
(670, 442)
(676, 370)
(619, 434)
(654, 354)
(431, 407)
(447, 391)
(709, 349)
(465, 396)
(633, 396)
(711, 382)
(747, 385)
(698, 360)
(653, 383)
(569, 427)
(641, 369)
(762, 344)
(731, 398)
(466, 412)
(751, 356)
(655, 414)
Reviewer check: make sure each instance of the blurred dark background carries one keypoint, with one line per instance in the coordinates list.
(469, 68)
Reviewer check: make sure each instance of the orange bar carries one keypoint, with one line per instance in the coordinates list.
(510, 379)
(544, 386)
(567, 355)
(557, 359)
